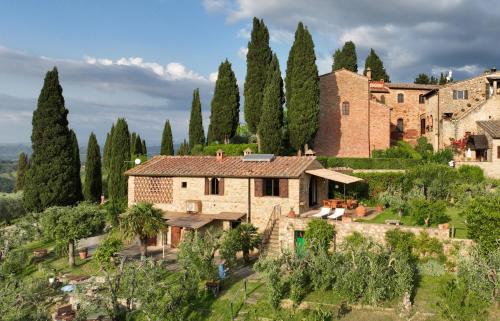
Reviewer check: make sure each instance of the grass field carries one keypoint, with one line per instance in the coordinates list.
(456, 220)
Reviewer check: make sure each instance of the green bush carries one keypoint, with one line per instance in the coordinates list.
(229, 149)
(399, 241)
(431, 268)
(11, 207)
(15, 262)
(471, 174)
(436, 181)
(369, 163)
(374, 184)
(319, 235)
(401, 150)
(425, 212)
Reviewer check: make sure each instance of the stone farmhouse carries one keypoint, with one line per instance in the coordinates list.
(201, 191)
(359, 115)
(466, 109)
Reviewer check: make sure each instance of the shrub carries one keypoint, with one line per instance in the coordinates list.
(107, 249)
(11, 207)
(15, 262)
(425, 212)
(429, 247)
(482, 216)
(375, 183)
(369, 163)
(401, 150)
(471, 174)
(399, 241)
(458, 303)
(435, 180)
(319, 235)
(271, 269)
(299, 285)
(431, 268)
(443, 156)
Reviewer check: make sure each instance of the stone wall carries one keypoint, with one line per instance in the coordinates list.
(377, 232)
(238, 192)
(410, 111)
(477, 93)
(380, 126)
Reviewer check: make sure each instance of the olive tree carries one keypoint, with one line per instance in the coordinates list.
(66, 225)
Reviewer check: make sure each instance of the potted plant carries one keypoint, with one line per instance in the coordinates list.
(360, 211)
(292, 214)
(83, 253)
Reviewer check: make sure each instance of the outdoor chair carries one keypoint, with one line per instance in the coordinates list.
(324, 212)
(339, 212)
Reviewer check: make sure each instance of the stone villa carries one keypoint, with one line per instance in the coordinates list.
(200, 191)
(358, 114)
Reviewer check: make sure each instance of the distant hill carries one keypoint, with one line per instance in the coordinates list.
(10, 152)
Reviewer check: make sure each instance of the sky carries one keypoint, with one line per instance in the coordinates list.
(142, 59)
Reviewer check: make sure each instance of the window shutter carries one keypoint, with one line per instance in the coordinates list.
(466, 94)
(221, 186)
(454, 94)
(207, 186)
(258, 182)
(284, 187)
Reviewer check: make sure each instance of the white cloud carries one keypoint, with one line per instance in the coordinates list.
(281, 36)
(324, 64)
(213, 76)
(215, 5)
(242, 53)
(172, 71)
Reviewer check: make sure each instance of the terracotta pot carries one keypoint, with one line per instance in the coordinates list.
(346, 219)
(380, 208)
(83, 253)
(292, 214)
(444, 226)
(360, 211)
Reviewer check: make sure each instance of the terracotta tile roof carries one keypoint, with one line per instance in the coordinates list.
(229, 166)
(407, 85)
(492, 127)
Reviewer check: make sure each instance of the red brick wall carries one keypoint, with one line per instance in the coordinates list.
(380, 126)
(343, 135)
(410, 111)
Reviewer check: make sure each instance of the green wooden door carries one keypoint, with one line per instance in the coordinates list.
(300, 245)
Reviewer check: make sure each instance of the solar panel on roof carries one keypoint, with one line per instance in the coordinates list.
(258, 158)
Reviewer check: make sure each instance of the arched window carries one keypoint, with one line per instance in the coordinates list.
(382, 99)
(401, 98)
(400, 125)
(345, 108)
(214, 186)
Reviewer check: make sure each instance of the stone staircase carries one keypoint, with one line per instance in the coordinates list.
(272, 246)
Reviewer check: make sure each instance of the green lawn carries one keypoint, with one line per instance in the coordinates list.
(456, 220)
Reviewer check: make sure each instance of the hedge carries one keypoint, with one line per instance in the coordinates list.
(229, 149)
(369, 163)
(373, 184)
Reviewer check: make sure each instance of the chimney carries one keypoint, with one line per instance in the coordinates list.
(494, 69)
(369, 73)
(219, 155)
(310, 152)
(247, 151)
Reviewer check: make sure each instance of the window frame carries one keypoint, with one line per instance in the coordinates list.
(401, 98)
(346, 108)
(460, 94)
(421, 99)
(184, 184)
(274, 187)
(211, 186)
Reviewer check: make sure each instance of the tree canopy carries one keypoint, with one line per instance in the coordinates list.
(196, 131)
(119, 162)
(50, 178)
(225, 107)
(22, 167)
(302, 90)
(258, 59)
(346, 58)
(167, 143)
(376, 65)
(92, 189)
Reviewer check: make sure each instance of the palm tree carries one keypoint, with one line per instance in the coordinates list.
(249, 239)
(143, 221)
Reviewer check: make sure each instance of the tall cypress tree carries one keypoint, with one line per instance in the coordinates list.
(167, 142)
(76, 165)
(144, 148)
(92, 188)
(133, 145)
(225, 109)
(377, 66)
(120, 156)
(138, 145)
(302, 90)
(346, 58)
(22, 167)
(107, 148)
(258, 59)
(196, 131)
(271, 122)
(49, 179)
